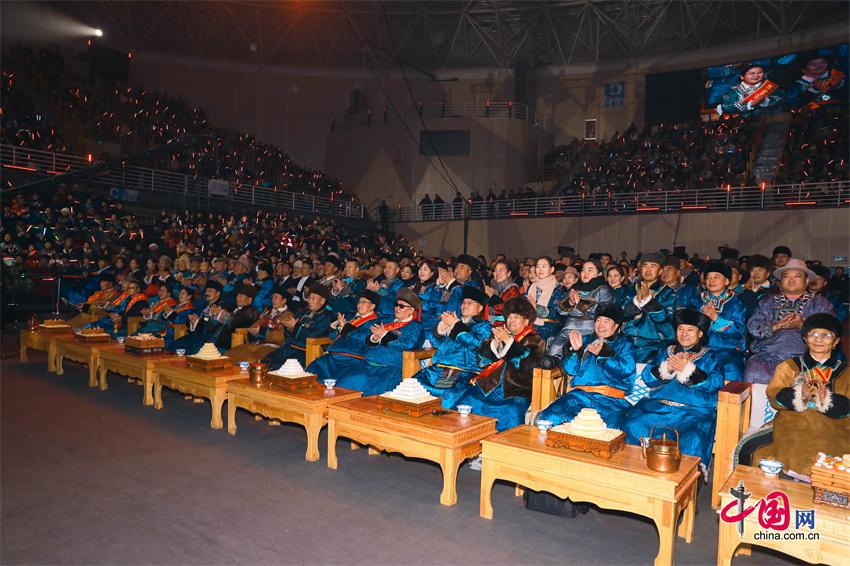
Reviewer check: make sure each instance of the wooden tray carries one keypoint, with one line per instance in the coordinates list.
(294, 383)
(831, 487)
(133, 342)
(93, 338)
(146, 351)
(412, 409)
(208, 365)
(54, 329)
(600, 448)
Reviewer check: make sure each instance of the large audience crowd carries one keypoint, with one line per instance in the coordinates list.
(647, 340)
(43, 100)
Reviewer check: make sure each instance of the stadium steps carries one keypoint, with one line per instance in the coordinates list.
(772, 147)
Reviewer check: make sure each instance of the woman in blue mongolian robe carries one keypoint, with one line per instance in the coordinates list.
(426, 281)
(178, 315)
(727, 313)
(502, 389)
(154, 317)
(346, 356)
(683, 381)
(386, 345)
(602, 370)
(457, 340)
(546, 294)
(617, 279)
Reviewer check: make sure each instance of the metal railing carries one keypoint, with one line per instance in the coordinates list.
(176, 185)
(447, 109)
(774, 197)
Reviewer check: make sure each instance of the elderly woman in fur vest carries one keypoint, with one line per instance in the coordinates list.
(811, 394)
(502, 389)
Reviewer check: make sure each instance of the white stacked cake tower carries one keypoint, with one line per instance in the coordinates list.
(410, 391)
(208, 352)
(588, 424)
(291, 368)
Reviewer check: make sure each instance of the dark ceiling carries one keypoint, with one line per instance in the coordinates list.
(439, 34)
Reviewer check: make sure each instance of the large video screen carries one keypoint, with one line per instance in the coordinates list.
(775, 84)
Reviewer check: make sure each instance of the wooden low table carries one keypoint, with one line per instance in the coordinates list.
(132, 365)
(832, 525)
(447, 439)
(211, 385)
(86, 353)
(623, 482)
(41, 342)
(308, 407)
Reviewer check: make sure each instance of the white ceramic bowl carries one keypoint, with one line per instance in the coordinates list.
(464, 410)
(329, 383)
(244, 365)
(544, 425)
(120, 339)
(771, 468)
(180, 352)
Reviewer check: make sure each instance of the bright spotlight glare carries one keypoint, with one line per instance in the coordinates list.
(98, 32)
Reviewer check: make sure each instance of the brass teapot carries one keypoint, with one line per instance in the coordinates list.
(661, 455)
(258, 372)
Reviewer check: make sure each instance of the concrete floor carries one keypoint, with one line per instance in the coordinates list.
(92, 477)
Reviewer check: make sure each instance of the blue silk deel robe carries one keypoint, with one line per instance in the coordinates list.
(685, 401)
(649, 326)
(614, 367)
(727, 334)
(347, 354)
(456, 360)
(309, 325)
(382, 371)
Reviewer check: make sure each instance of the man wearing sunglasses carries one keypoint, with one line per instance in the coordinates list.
(457, 340)
(385, 345)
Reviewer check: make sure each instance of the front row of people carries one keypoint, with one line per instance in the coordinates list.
(490, 367)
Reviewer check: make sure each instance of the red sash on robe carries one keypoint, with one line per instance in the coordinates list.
(762, 92)
(490, 368)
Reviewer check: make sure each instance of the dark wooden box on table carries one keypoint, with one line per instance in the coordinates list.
(408, 408)
(601, 448)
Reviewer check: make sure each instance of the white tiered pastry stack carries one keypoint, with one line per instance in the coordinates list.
(409, 391)
(588, 424)
(291, 369)
(208, 352)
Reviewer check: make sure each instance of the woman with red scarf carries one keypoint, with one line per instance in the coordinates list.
(502, 389)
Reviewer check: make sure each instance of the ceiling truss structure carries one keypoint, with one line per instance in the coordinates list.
(443, 34)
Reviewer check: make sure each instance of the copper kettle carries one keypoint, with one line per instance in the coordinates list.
(258, 372)
(661, 455)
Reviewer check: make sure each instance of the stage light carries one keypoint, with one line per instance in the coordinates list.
(98, 32)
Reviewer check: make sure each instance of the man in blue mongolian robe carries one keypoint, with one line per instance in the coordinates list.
(387, 286)
(444, 296)
(727, 313)
(129, 303)
(347, 353)
(684, 380)
(207, 325)
(502, 389)
(386, 345)
(601, 370)
(314, 323)
(178, 315)
(457, 340)
(649, 313)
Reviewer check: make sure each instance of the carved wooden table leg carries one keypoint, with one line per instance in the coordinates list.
(157, 392)
(102, 377)
(449, 462)
(217, 398)
(60, 368)
(666, 525)
(313, 424)
(93, 362)
(332, 462)
(147, 383)
(51, 356)
(686, 528)
(727, 542)
(488, 478)
(231, 415)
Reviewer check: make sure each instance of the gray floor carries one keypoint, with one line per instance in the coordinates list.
(95, 477)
